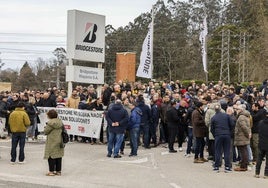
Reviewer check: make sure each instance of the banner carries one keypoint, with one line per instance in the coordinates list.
(202, 39)
(146, 64)
(77, 122)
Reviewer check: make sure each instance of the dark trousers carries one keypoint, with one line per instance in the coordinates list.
(244, 156)
(153, 128)
(180, 135)
(261, 155)
(211, 148)
(54, 164)
(190, 140)
(163, 132)
(145, 131)
(222, 143)
(172, 132)
(199, 148)
(18, 138)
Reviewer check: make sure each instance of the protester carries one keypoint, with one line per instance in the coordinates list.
(117, 120)
(54, 149)
(221, 128)
(18, 121)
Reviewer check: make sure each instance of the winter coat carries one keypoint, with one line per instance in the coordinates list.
(53, 131)
(263, 134)
(73, 102)
(135, 118)
(172, 117)
(209, 114)
(242, 129)
(198, 121)
(19, 121)
(117, 113)
(221, 124)
(257, 117)
(146, 113)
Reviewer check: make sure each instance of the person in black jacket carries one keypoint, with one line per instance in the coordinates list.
(257, 114)
(263, 148)
(221, 129)
(173, 120)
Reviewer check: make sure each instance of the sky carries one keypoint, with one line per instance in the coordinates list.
(35, 28)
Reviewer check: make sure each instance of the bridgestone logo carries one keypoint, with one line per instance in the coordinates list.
(89, 48)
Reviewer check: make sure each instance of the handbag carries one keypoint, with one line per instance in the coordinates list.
(65, 136)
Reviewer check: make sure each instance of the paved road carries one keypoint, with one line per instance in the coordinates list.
(86, 165)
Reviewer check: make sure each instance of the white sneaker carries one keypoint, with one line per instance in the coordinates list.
(12, 162)
(187, 155)
(180, 149)
(21, 162)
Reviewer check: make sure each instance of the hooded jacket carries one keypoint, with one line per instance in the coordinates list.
(53, 131)
(19, 120)
(117, 113)
(242, 129)
(135, 118)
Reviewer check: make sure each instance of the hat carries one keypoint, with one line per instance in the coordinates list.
(198, 104)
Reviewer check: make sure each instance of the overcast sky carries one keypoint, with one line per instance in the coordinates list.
(22, 20)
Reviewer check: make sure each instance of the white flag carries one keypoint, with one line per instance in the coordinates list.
(146, 64)
(202, 39)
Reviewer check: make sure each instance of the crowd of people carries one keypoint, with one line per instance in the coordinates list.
(227, 121)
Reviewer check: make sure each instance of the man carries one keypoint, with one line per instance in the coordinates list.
(257, 114)
(221, 128)
(173, 120)
(263, 148)
(117, 120)
(242, 136)
(199, 131)
(18, 121)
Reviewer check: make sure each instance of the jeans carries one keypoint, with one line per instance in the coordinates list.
(144, 129)
(115, 140)
(153, 128)
(190, 140)
(18, 138)
(222, 143)
(134, 136)
(31, 129)
(200, 145)
(261, 155)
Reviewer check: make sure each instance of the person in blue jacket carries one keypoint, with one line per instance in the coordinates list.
(134, 128)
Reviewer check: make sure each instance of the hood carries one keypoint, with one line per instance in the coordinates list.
(117, 106)
(55, 123)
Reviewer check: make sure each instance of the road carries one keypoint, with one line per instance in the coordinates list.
(86, 165)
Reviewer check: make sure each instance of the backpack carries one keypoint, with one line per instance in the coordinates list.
(65, 136)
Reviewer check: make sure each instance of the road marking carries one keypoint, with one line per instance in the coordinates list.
(165, 153)
(163, 176)
(138, 161)
(174, 185)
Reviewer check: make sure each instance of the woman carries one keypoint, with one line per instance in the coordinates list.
(54, 147)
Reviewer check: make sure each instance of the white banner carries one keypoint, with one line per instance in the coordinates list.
(202, 38)
(77, 122)
(146, 64)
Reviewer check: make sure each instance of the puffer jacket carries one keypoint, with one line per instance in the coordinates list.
(53, 131)
(242, 129)
(19, 121)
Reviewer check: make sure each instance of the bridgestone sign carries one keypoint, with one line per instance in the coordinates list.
(85, 36)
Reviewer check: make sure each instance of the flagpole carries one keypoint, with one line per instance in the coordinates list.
(206, 57)
(152, 41)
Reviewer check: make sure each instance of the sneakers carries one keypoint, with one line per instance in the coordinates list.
(198, 161)
(117, 156)
(13, 163)
(180, 149)
(187, 155)
(173, 151)
(21, 162)
(257, 176)
(216, 169)
(227, 170)
(132, 155)
(108, 155)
